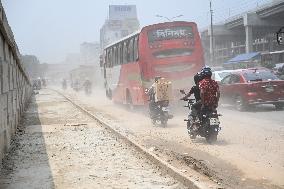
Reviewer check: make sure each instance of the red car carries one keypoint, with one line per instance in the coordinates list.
(252, 86)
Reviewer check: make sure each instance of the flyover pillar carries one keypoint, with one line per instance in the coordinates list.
(249, 21)
(249, 39)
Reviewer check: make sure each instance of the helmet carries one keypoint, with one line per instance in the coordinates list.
(157, 78)
(197, 77)
(206, 72)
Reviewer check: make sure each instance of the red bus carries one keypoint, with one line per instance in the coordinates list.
(172, 50)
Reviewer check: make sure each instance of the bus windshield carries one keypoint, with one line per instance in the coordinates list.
(177, 32)
(172, 53)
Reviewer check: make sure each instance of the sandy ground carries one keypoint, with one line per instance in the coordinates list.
(249, 152)
(56, 146)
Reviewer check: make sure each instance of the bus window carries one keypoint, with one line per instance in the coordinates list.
(114, 56)
(124, 53)
(119, 56)
(130, 54)
(135, 48)
(110, 58)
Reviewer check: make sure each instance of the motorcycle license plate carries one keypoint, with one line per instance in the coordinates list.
(214, 121)
(165, 109)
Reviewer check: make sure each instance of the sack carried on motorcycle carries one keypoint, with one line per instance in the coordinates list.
(163, 90)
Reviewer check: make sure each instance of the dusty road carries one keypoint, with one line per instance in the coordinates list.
(249, 152)
(59, 147)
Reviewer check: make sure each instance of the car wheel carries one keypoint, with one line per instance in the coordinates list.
(240, 104)
(279, 106)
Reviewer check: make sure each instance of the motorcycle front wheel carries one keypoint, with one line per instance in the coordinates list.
(190, 131)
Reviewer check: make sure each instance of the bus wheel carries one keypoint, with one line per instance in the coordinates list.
(129, 103)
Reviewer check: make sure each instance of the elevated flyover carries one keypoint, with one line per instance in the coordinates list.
(251, 31)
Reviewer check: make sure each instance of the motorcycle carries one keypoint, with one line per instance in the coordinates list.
(159, 111)
(206, 124)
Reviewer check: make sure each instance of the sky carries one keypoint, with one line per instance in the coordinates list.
(50, 29)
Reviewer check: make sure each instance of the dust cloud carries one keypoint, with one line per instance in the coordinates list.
(94, 58)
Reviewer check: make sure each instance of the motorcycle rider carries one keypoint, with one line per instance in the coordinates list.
(151, 93)
(196, 92)
(209, 91)
(88, 86)
(76, 85)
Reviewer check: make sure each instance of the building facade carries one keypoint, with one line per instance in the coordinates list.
(89, 53)
(122, 21)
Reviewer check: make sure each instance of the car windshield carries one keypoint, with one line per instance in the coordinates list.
(223, 74)
(260, 76)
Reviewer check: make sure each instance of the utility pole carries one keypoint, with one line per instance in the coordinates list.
(211, 36)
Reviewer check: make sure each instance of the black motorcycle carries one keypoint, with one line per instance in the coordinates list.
(205, 124)
(159, 111)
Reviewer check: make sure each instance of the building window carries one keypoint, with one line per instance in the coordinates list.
(120, 57)
(124, 53)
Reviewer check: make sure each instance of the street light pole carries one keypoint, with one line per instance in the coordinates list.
(211, 36)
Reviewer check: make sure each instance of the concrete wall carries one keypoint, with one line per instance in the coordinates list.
(15, 87)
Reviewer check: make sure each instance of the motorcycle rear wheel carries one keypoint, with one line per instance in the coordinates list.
(192, 134)
(212, 137)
